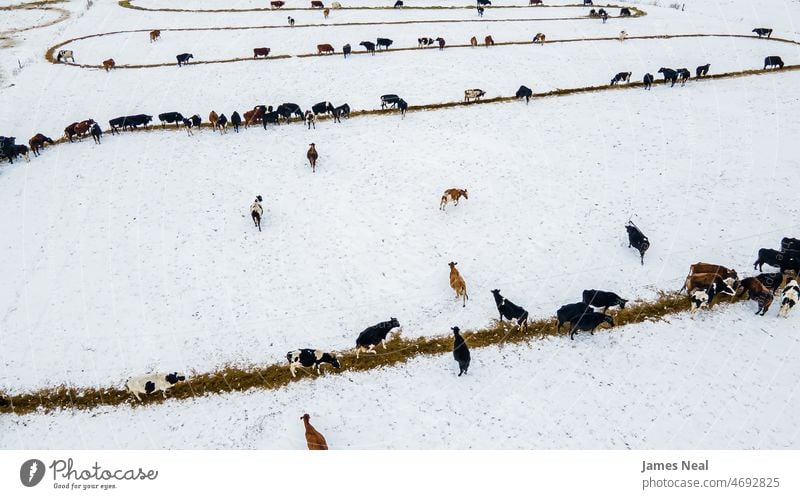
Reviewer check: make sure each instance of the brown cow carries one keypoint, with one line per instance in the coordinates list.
(262, 51)
(695, 281)
(37, 142)
(212, 118)
(78, 129)
(539, 38)
(155, 35)
(316, 4)
(452, 195)
(711, 268)
(109, 64)
(254, 115)
(535, 2)
(326, 12)
(276, 5)
(312, 156)
(488, 41)
(314, 439)
(756, 291)
(325, 48)
(473, 41)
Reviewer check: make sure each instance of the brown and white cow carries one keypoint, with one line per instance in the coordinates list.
(452, 196)
(325, 48)
(260, 52)
(155, 35)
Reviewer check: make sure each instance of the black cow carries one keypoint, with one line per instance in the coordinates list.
(183, 58)
(460, 351)
(403, 107)
(236, 121)
(287, 109)
(788, 243)
(398, 4)
(8, 148)
(389, 100)
(648, 81)
(763, 32)
(270, 117)
(773, 61)
(509, 310)
(480, 11)
(307, 357)
(669, 75)
(346, 50)
(570, 313)
(626, 77)
(787, 260)
(173, 117)
(624, 12)
(369, 46)
(196, 120)
(129, 122)
(96, 132)
(602, 299)
(771, 281)
(587, 2)
(322, 108)
(484, 2)
(374, 336)
(383, 42)
(702, 70)
(116, 123)
(222, 123)
(589, 322)
(637, 239)
(338, 112)
(684, 75)
(524, 92)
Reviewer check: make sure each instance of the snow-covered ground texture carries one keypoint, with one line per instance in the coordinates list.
(725, 380)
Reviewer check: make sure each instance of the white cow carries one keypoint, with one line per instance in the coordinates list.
(623, 35)
(151, 383)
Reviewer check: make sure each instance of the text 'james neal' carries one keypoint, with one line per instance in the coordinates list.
(684, 466)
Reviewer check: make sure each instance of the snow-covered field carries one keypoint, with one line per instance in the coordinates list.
(138, 255)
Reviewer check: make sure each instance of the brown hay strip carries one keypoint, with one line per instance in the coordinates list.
(45, 5)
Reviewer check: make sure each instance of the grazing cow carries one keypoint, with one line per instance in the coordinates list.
(196, 120)
(771, 257)
(757, 292)
(78, 129)
(403, 107)
(789, 298)
(622, 35)
(19, 150)
(398, 4)
(346, 50)
(375, 335)
(637, 239)
(699, 299)
(316, 4)
(254, 115)
(480, 11)
(222, 124)
(314, 439)
(460, 351)
(452, 196)
(183, 59)
(383, 42)
(624, 12)
(669, 75)
(683, 75)
(603, 15)
(648, 81)
(484, 2)
(389, 100)
(488, 40)
(587, 2)
(773, 281)
(37, 142)
(63, 55)
(109, 64)
(539, 38)
(589, 322)
(173, 117)
(790, 244)
(712, 268)
(524, 92)
(212, 118)
(325, 48)
(257, 211)
(270, 117)
(593, 13)
(626, 77)
(369, 46)
(510, 311)
(291, 21)
(571, 313)
(312, 156)
(187, 125)
(151, 383)
(763, 32)
(473, 94)
(473, 41)
(424, 41)
(96, 132)
(339, 111)
(725, 285)
(308, 357)
(773, 61)
(441, 43)
(324, 107)
(603, 299)
(129, 122)
(287, 109)
(458, 284)
(276, 4)
(336, 5)
(535, 2)
(155, 35)
(260, 52)
(8, 148)
(311, 120)
(326, 13)
(702, 70)
(236, 121)
(717, 286)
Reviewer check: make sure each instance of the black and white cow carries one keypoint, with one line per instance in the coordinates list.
(510, 311)
(183, 58)
(287, 109)
(621, 77)
(389, 100)
(602, 299)
(145, 385)
(375, 335)
(571, 313)
(704, 298)
(402, 106)
(636, 239)
(702, 70)
(648, 81)
(589, 322)
(473, 94)
(789, 298)
(763, 32)
(683, 75)
(773, 61)
(63, 55)
(341, 111)
(484, 2)
(307, 357)
(322, 108)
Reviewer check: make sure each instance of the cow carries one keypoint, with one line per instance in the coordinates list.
(757, 292)
(622, 35)
(369, 46)
(773, 281)
(509, 310)
(236, 121)
(375, 335)
(316, 4)
(291, 21)
(287, 109)
(339, 111)
(717, 285)
(648, 81)
(222, 123)
(473, 94)
(702, 70)
(346, 50)
(257, 211)
(260, 52)
(763, 32)
(669, 75)
(791, 244)
(473, 41)
(8, 148)
(312, 155)
(173, 117)
(398, 4)
(424, 41)
(589, 322)
(488, 40)
(571, 313)
(403, 107)
(603, 15)
(326, 12)
(441, 43)
(480, 11)
(96, 132)
(603, 299)
(187, 125)
(625, 77)
(452, 196)
(276, 4)
(789, 298)
(773, 258)
(773, 61)
(624, 12)
(637, 240)
(129, 122)
(390, 100)
(155, 35)
(704, 280)
(15, 150)
(535, 2)
(336, 5)
(308, 357)
(311, 120)
(270, 117)
(151, 383)
(37, 142)
(524, 92)
(78, 129)
(325, 48)
(254, 115)
(713, 268)
(63, 55)
(683, 75)
(183, 59)
(484, 2)
(587, 2)
(322, 108)
(460, 351)
(699, 299)
(109, 64)
(539, 38)
(383, 42)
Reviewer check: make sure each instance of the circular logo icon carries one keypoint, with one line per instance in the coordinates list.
(31, 472)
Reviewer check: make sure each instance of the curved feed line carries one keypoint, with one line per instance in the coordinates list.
(45, 5)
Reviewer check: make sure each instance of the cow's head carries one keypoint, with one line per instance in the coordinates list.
(173, 378)
(394, 322)
(621, 304)
(609, 320)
